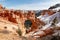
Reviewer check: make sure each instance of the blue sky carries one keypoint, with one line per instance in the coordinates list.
(28, 4)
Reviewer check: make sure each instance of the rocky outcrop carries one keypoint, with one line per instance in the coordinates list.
(22, 25)
(18, 18)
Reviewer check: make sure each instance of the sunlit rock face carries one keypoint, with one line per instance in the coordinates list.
(27, 22)
(36, 23)
(50, 12)
(17, 18)
(14, 17)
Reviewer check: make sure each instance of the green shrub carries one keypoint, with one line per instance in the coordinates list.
(28, 24)
(19, 32)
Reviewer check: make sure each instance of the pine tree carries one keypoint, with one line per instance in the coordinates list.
(54, 21)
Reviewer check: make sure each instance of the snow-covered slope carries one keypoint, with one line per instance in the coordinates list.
(48, 19)
(43, 17)
(58, 24)
(45, 27)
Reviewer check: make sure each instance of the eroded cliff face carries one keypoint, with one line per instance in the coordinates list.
(50, 12)
(18, 18)
(26, 22)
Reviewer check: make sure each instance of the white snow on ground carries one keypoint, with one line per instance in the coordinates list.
(48, 19)
(58, 24)
(39, 32)
(43, 17)
(57, 9)
(45, 27)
